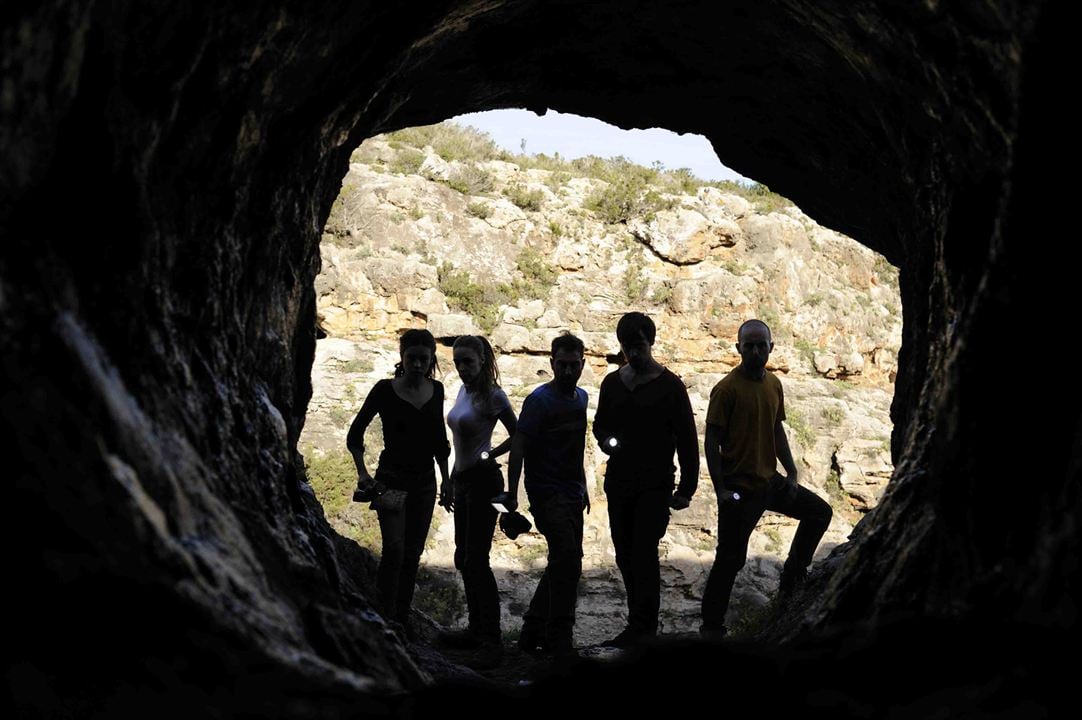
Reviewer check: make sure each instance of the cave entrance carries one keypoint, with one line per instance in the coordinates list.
(441, 227)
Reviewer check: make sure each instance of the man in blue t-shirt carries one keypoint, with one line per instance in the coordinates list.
(551, 439)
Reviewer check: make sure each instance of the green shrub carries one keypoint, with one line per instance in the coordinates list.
(634, 282)
(479, 210)
(556, 180)
(438, 596)
(332, 477)
(833, 414)
(407, 161)
(616, 203)
(804, 434)
(839, 499)
(450, 141)
(339, 416)
(662, 294)
(538, 277)
(357, 365)
(471, 180)
(482, 302)
(526, 199)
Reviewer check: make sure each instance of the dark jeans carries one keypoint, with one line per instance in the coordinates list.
(737, 519)
(475, 522)
(637, 522)
(559, 519)
(404, 533)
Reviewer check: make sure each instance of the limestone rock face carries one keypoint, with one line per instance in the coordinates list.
(158, 363)
(683, 236)
(699, 270)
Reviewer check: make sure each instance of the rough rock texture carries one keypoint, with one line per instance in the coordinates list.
(157, 343)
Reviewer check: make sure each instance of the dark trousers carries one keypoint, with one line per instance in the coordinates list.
(559, 519)
(637, 522)
(404, 533)
(475, 522)
(737, 519)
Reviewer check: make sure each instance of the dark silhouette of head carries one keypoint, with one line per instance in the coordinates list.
(567, 361)
(636, 333)
(417, 354)
(754, 343)
(476, 365)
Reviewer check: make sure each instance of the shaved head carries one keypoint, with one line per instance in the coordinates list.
(748, 325)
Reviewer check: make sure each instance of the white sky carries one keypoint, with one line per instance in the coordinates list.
(573, 136)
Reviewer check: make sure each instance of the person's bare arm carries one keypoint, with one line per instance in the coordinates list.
(510, 423)
(714, 463)
(514, 470)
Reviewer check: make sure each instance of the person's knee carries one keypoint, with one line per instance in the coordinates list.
(461, 559)
(821, 511)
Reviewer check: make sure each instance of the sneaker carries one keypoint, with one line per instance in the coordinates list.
(460, 639)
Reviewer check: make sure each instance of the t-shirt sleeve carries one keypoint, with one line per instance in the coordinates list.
(717, 412)
(532, 415)
(499, 402)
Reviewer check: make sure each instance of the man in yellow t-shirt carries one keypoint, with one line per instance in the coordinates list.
(744, 441)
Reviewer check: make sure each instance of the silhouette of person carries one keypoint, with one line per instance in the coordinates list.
(551, 441)
(477, 478)
(410, 407)
(744, 441)
(643, 416)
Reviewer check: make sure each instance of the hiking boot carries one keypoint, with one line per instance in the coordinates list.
(625, 639)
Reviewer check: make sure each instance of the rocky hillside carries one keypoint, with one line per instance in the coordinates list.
(437, 228)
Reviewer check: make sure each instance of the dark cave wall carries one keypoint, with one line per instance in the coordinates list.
(165, 178)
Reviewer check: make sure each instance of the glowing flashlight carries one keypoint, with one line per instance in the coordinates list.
(484, 455)
(612, 442)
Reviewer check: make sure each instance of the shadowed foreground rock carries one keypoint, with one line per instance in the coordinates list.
(165, 176)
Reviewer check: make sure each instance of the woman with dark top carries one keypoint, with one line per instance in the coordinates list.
(643, 417)
(410, 407)
(477, 479)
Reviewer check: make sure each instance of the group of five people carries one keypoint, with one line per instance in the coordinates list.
(643, 419)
